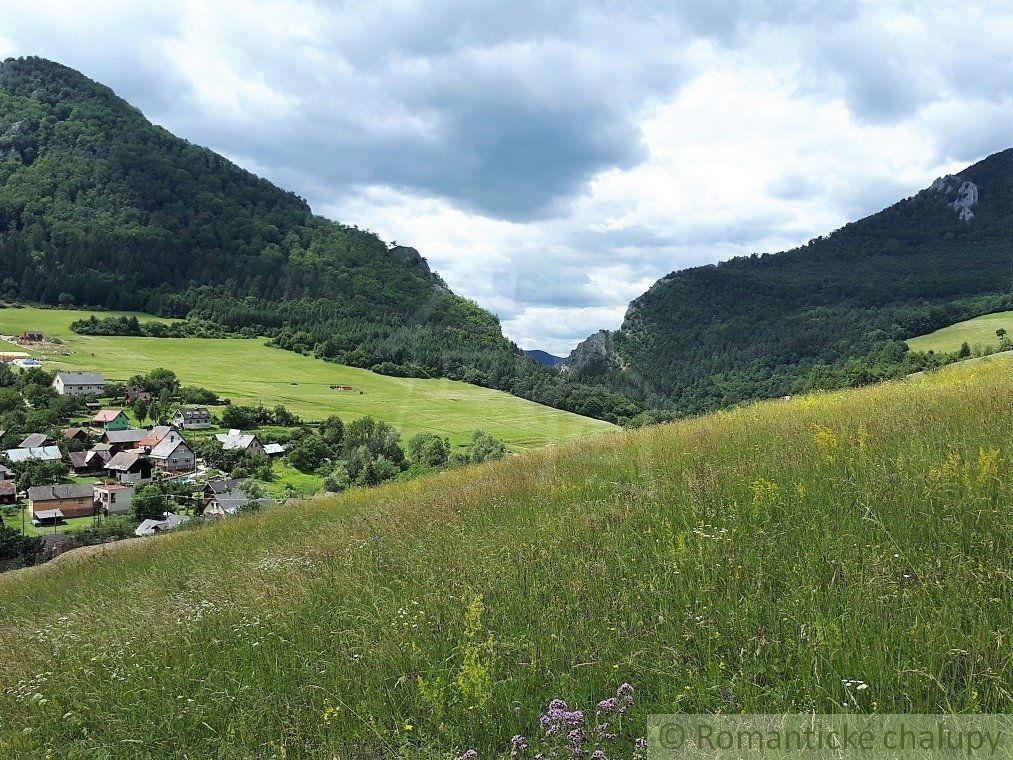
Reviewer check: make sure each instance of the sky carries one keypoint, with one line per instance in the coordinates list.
(553, 159)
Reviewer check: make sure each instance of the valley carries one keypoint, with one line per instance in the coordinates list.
(248, 372)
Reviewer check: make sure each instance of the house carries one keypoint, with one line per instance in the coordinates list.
(6, 473)
(10, 357)
(79, 383)
(234, 440)
(216, 488)
(158, 434)
(230, 503)
(193, 419)
(8, 492)
(114, 498)
(35, 441)
(274, 449)
(124, 440)
(129, 467)
(42, 453)
(30, 336)
(75, 434)
(89, 462)
(110, 419)
(136, 393)
(47, 517)
(70, 499)
(151, 527)
(173, 455)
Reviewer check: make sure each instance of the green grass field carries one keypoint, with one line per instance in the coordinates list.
(979, 331)
(845, 552)
(249, 372)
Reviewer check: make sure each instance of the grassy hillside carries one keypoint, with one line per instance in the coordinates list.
(771, 558)
(249, 372)
(975, 332)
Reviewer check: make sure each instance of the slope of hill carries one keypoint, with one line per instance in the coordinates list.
(766, 559)
(980, 332)
(751, 327)
(544, 357)
(102, 208)
(248, 372)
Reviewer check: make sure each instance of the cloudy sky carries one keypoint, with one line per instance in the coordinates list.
(553, 159)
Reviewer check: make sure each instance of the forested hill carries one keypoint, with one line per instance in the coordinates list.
(101, 208)
(755, 326)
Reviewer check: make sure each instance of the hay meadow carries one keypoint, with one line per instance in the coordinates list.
(838, 552)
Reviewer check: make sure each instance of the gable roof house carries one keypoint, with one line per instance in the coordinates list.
(234, 440)
(216, 487)
(173, 455)
(136, 393)
(79, 383)
(123, 440)
(129, 467)
(71, 499)
(6, 473)
(88, 462)
(35, 441)
(75, 434)
(42, 453)
(158, 434)
(193, 419)
(110, 419)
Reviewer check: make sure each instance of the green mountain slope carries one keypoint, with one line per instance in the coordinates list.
(759, 560)
(752, 326)
(99, 207)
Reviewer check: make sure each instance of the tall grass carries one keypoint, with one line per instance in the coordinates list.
(763, 559)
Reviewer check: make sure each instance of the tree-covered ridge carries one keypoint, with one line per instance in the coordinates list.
(755, 326)
(101, 208)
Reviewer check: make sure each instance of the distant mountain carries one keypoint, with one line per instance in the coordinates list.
(751, 327)
(544, 358)
(101, 208)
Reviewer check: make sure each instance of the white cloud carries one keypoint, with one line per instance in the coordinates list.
(552, 160)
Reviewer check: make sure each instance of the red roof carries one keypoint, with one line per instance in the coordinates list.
(107, 415)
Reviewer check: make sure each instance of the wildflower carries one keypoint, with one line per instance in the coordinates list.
(608, 705)
(517, 745)
(598, 754)
(408, 727)
(625, 692)
(576, 737)
(468, 755)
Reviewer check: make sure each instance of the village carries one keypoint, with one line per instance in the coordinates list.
(108, 459)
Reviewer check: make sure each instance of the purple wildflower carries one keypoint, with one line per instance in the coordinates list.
(598, 754)
(601, 730)
(625, 692)
(608, 705)
(640, 743)
(517, 745)
(469, 755)
(576, 737)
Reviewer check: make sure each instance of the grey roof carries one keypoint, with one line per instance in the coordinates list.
(274, 448)
(45, 453)
(81, 378)
(196, 413)
(132, 435)
(123, 461)
(224, 486)
(6, 472)
(233, 501)
(150, 527)
(34, 441)
(165, 448)
(61, 491)
(47, 514)
(231, 442)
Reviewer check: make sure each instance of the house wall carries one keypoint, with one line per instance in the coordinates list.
(117, 502)
(120, 423)
(181, 460)
(82, 507)
(77, 390)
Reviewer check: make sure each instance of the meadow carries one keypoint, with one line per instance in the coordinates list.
(979, 332)
(249, 372)
(845, 552)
